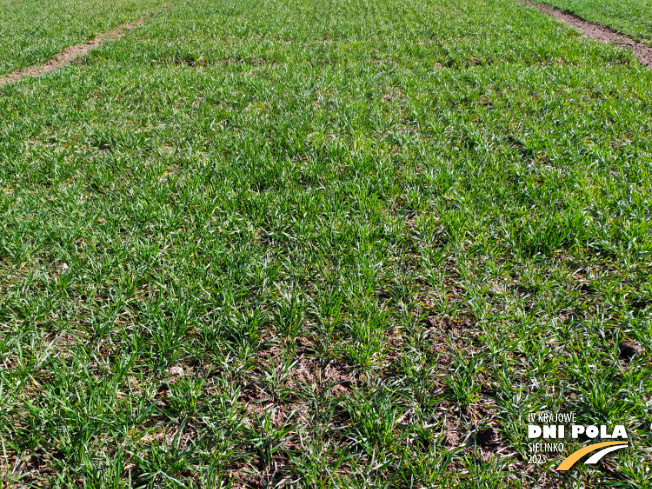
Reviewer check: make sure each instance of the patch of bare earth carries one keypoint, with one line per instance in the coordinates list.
(305, 373)
(597, 32)
(277, 391)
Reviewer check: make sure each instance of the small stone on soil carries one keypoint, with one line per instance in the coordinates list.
(176, 371)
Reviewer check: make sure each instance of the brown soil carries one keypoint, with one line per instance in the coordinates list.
(70, 54)
(628, 349)
(596, 32)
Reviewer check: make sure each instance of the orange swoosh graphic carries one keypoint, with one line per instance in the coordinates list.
(575, 456)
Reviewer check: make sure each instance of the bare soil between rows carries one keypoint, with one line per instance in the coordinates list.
(597, 32)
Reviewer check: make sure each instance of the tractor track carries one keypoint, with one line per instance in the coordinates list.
(597, 32)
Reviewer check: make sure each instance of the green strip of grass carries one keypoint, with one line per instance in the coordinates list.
(631, 17)
(33, 31)
(343, 243)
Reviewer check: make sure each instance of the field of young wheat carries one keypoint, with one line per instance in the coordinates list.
(326, 243)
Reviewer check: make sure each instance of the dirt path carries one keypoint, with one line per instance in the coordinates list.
(596, 32)
(70, 54)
